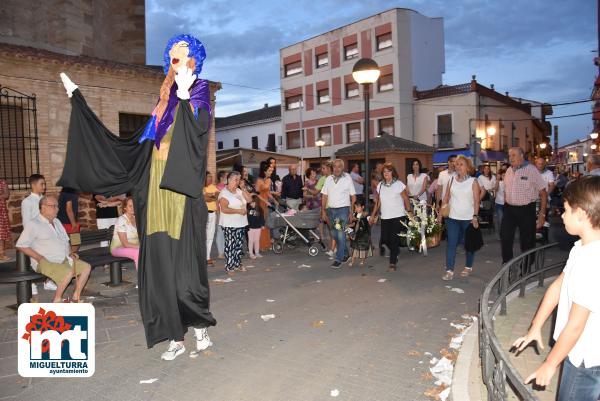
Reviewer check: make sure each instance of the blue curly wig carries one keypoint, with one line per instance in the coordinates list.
(196, 50)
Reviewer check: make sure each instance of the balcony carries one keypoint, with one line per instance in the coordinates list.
(443, 140)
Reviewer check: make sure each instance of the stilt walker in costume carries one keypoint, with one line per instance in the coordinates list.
(163, 165)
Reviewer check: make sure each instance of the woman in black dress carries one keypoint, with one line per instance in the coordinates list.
(361, 234)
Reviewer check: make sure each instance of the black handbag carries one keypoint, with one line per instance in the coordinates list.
(473, 239)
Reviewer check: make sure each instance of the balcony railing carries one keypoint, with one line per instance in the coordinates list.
(443, 140)
(497, 369)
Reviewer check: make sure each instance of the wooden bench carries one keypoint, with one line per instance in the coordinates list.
(100, 256)
(21, 274)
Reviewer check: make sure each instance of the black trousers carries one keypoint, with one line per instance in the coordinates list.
(523, 218)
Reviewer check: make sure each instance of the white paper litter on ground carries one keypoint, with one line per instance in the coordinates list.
(303, 265)
(456, 342)
(334, 393)
(266, 318)
(448, 286)
(149, 381)
(458, 326)
(488, 261)
(444, 318)
(318, 281)
(466, 316)
(382, 280)
(223, 280)
(444, 394)
(427, 354)
(457, 290)
(270, 300)
(442, 371)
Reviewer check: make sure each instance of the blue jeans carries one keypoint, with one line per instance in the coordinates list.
(499, 214)
(340, 213)
(456, 235)
(579, 383)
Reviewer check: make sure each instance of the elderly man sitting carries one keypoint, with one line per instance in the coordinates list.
(46, 242)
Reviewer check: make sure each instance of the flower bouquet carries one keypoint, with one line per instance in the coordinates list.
(422, 229)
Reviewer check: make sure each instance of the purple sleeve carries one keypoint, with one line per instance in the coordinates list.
(200, 96)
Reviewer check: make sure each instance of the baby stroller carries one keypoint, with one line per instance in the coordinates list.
(296, 229)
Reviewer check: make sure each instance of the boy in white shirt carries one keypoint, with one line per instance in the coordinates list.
(577, 330)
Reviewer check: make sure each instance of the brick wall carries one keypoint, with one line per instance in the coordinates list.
(109, 88)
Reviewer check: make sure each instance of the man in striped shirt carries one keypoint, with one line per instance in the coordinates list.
(523, 185)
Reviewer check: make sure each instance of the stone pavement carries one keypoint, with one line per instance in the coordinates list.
(334, 329)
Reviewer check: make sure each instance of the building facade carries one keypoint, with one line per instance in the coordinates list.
(321, 100)
(257, 129)
(474, 118)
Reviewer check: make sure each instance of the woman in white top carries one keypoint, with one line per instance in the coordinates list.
(125, 242)
(463, 199)
(487, 182)
(393, 204)
(233, 219)
(417, 182)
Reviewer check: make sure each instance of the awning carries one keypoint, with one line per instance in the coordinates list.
(442, 156)
(492, 156)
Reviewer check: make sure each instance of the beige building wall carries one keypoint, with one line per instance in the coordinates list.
(406, 55)
(109, 88)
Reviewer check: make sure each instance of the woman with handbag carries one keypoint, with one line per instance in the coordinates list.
(461, 207)
(393, 205)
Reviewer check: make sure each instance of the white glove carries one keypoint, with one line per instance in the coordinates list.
(184, 77)
(69, 85)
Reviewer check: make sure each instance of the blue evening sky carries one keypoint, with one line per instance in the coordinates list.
(535, 49)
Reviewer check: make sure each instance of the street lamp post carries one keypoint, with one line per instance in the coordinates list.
(366, 72)
(320, 143)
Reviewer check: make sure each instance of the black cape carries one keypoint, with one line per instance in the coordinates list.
(172, 278)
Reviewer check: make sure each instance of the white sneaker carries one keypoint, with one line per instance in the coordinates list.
(202, 342)
(175, 349)
(50, 285)
(34, 290)
(258, 255)
(330, 253)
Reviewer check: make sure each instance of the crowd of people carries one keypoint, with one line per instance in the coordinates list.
(522, 196)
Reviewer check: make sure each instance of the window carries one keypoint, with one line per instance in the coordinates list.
(293, 69)
(504, 145)
(323, 96)
(294, 141)
(236, 143)
(444, 130)
(129, 124)
(254, 142)
(271, 143)
(386, 125)
(325, 135)
(220, 145)
(385, 83)
(322, 60)
(353, 132)
(384, 41)
(350, 51)
(293, 102)
(351, 90)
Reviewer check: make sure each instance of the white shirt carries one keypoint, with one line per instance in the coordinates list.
(391, 204)
(415, 185)
(124, 226)
(444, 179)
(487, 183)
(461, 199)
(500, 193)
(358, 188)
(548, 178)
(30, 208)
(236, 201)
(51, 243)
(338, 194)
(580, 286)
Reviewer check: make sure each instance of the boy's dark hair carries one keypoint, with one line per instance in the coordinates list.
(585, 195)
(359, 202)
(33, 178)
